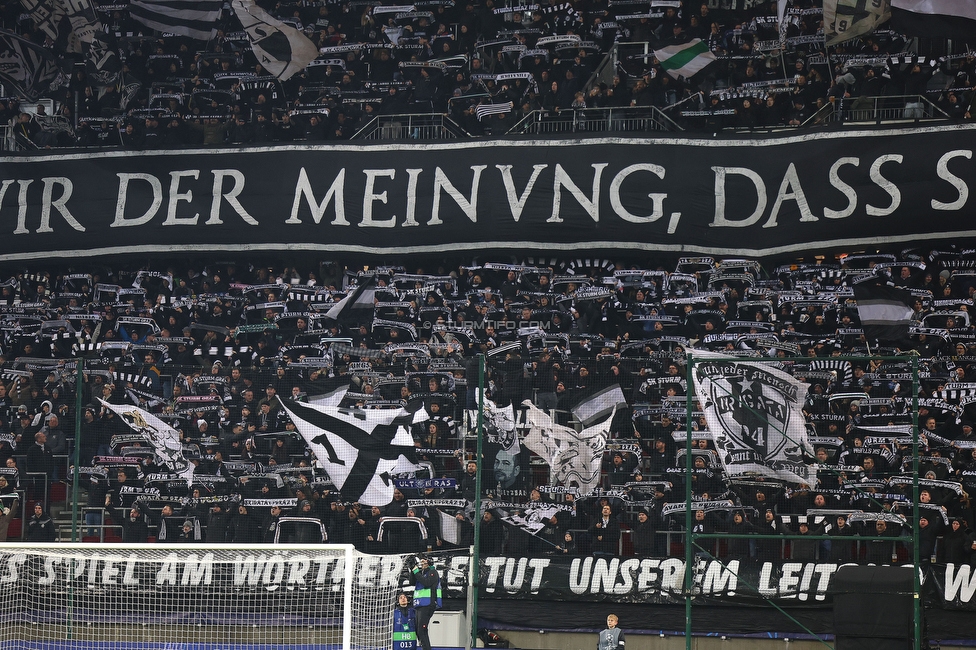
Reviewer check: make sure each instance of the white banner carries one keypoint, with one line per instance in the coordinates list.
(754, 413)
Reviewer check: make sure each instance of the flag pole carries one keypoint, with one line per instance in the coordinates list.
(474, 570)
(76, 455)
(689, 535)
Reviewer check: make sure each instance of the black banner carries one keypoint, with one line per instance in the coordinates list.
(659, 581)
(759, 197)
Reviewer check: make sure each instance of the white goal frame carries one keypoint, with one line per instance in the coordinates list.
(73, 593)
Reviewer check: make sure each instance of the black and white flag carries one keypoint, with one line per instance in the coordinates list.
(847, 19)
(755, 416)
(280, 48)
(485, 110)
(935, 18)
(499, 426)
(358, 306)
(27, 68)
(164, 438)
(884, 310)
(598, 405)
(574, 457)
(74, 28)
(360, 449)
(193, 18)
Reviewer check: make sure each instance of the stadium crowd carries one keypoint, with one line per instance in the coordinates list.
(216, 350)
(485, 64)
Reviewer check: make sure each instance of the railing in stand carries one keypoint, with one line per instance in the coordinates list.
(411, 127)
(879, 110)
(595, 120)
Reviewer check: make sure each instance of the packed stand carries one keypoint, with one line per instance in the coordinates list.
(218, 354)
(485, 64)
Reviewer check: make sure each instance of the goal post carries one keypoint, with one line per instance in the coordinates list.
(198, 597)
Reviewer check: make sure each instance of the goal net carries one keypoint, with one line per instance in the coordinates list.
(196, 597)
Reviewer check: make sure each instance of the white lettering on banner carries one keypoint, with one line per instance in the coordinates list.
(22, 207)
(512, 567)
(611, 195)
(175, 196)
(169, 573)
(790, 190)
(197, 572)
(11, 568)
(942, 169)
(886, 185)
(231, 197)
(129, 579)
(845, 189)
(657, 198)
(766, 589)
(59, 205)
(789, 581)
(157, 190)
(515, 202)
(720, 174)
(585, 577)
(719, 579)
(370, 196)
(218, 197)
(111, 572)
(256, 571)
(469, 207)
(591, 205)
(47, 203)
(413, 176)
(335, 195)
(649, 576)
(960, 582)
(21, 223)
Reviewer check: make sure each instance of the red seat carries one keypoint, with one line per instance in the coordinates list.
(57, 492)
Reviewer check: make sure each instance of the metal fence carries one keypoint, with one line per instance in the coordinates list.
(411, 127)
(634, 119)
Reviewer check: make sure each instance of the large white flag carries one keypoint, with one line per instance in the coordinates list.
(164, 438)
(754, 415)
(574, 457)
(280, 48)
(847, 19)
(360, 449)
(499, 425)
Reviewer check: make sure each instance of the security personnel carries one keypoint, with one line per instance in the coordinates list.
(426, 597)
(404, 625)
